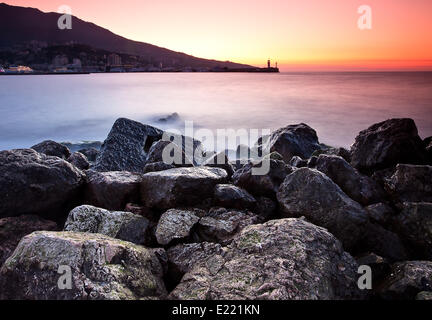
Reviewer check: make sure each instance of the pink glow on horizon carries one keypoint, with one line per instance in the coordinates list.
(301, 35)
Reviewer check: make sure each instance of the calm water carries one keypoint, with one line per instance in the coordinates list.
(83, 107)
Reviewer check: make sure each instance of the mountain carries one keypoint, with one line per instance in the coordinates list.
(19, 25)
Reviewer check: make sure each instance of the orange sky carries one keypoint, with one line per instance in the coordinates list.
(299, 34)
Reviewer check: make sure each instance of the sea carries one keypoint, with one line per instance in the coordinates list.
(75, 108)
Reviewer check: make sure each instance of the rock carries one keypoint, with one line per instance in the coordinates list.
(357, 186)
(386, 144)
(414, 224)
(428, 147)
(183, 257)
(379, 213)
(90, 153)
(293, 140)
(229, 196)
(126, 146)
(340, 152)
(112, 190)
(82, 145)
(175, 225)
(310, 193)
(424, 295)
(157, 166)
(34, 183)
(265, 180)
(120, 225)
(52, 148)
(382, 242)
(265, 207)
(102, 269)
(181, 186)
(79, 160)
(411, 183)
(298, 162)
(13, 229)
(220, 160)
(312, 162)
(406, 280)
(155, 154)
(170, 118)
(221, 225)
(279, 260)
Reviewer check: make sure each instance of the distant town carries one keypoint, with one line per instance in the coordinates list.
(38, 57)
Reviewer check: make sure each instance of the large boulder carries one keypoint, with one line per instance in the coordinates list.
(293, 140)
(262, 182)
(386, 144)
(90, 153)
(406, 280)
(52, 148)
(357, 186)
(220, 160)
(279, 260)
(126, 146)
(79, 160)
(185, 154)
(221, 225)
(310, 193)
(414, 224)
(13, 229)
(180, 186)
(175, 225)
(411, 183)
(34, 183)
(101, 268)
(120, 225)
(229, 196)
(112, 190)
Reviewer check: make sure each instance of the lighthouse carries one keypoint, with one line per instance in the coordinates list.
(268, 63)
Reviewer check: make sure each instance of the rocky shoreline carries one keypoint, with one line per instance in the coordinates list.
(127, 225)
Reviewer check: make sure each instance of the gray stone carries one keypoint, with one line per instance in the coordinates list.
(175, 225)
(279, 260)
(115, 224)
(52, 148)
(102, 269)
(229, 196)
(79, 160)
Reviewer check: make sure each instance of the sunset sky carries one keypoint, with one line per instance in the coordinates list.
(300, 34)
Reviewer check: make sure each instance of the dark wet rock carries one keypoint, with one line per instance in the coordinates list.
(428, 147)
(265, 207)
(158, 166)
(220, 225)
(383, 242)
(312, 162)
(310, 193)
(381, 176)
(380, 267)
(115, 224)
(156, 154)
(170, 118)
(52, 148)
(411, 183)
(406, 280)
(230, 196)
(90, 153)
(280, 260)
(414, 223)
(298, 162)
(386, 144)
(293, 140)
(220, 160)
(33, 183)
(183, 257)
(424, 295)
(102, 268)
(379, 213)
(181, 186)
(13, 229)
(340, 152)
(112, 190)
(357, 186)
(262, 178)
(126, 146)
(79, 160)
(175, 225)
